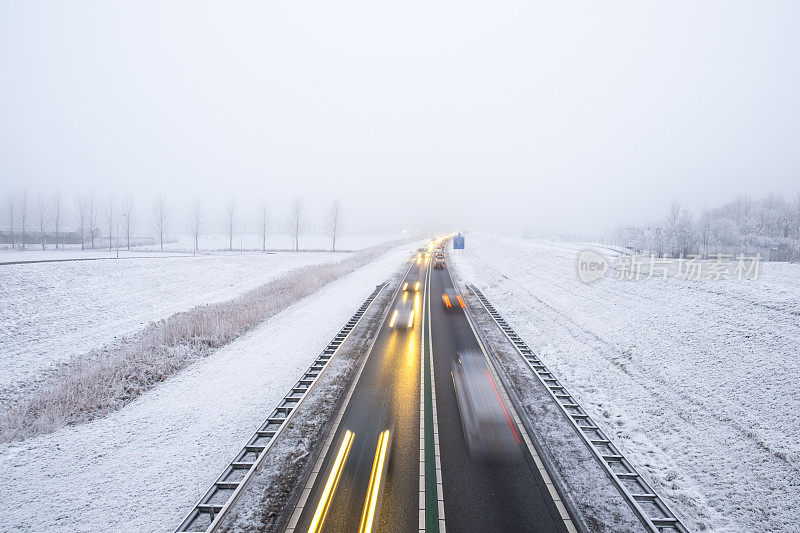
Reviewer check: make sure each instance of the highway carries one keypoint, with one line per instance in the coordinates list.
(369, 480)
(511, 496)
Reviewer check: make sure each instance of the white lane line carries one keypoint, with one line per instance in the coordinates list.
(562, 510)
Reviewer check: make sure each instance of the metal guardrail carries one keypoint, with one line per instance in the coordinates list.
(648, 506)
(209, 511)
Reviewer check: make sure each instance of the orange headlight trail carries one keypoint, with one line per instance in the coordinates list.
(375, 478)
(330, 485)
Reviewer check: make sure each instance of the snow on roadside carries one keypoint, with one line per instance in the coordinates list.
(142, 468)
(52, 311)
(695, 381)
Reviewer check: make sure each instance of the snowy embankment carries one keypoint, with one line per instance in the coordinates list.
(52, 311)
(696, 381)
(143, 467)
(104, 380)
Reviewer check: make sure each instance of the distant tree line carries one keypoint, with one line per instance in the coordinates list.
(92, 222)
(769, 226)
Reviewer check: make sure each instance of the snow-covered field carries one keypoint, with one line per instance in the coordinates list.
(51, 311)
(72, 253)
(698, 381)
(184, 245)
(143, 467)
(275, 241)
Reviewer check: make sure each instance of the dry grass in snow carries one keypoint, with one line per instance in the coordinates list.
(91, 385)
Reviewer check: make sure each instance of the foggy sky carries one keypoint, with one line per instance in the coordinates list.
(449, 114)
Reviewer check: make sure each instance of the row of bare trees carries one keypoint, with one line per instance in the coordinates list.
(296, 222)
(95, 219)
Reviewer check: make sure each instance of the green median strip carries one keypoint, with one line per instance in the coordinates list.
(431, 498)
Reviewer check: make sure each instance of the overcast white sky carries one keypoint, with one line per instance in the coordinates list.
(496, 115)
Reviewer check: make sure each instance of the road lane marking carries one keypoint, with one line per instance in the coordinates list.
(375, 479)
(333, 481)
(432, 502)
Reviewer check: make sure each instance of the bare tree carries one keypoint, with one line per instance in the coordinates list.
(231, 221)
(674, 213)
(264, 216)
(160, 217)
(297, 220)
(127, 211)
(23, 214)
(11, 208)
(108, 212)
(333, 222)
(57, 215)
(43, 217)
(704, 228)
(92, 217)
(195, 220)
(81, 218)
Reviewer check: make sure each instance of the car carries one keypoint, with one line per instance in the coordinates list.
(403, 314)
(438, 263)
(411, 282)
(451, 300)
(489, 432)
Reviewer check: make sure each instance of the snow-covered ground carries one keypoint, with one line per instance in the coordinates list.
(143, 467)
(275, 241)
(51, 311)
(73, 253)
(183, 245)
(697, 381)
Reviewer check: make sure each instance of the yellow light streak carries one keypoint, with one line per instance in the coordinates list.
(411, 319)
(375, 479)
(330, 485)
(394, 318)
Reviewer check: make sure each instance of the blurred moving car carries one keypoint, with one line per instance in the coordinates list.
(451, 300)
(438, 263)
(411, 282)
(403, 314)
(488, 429)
